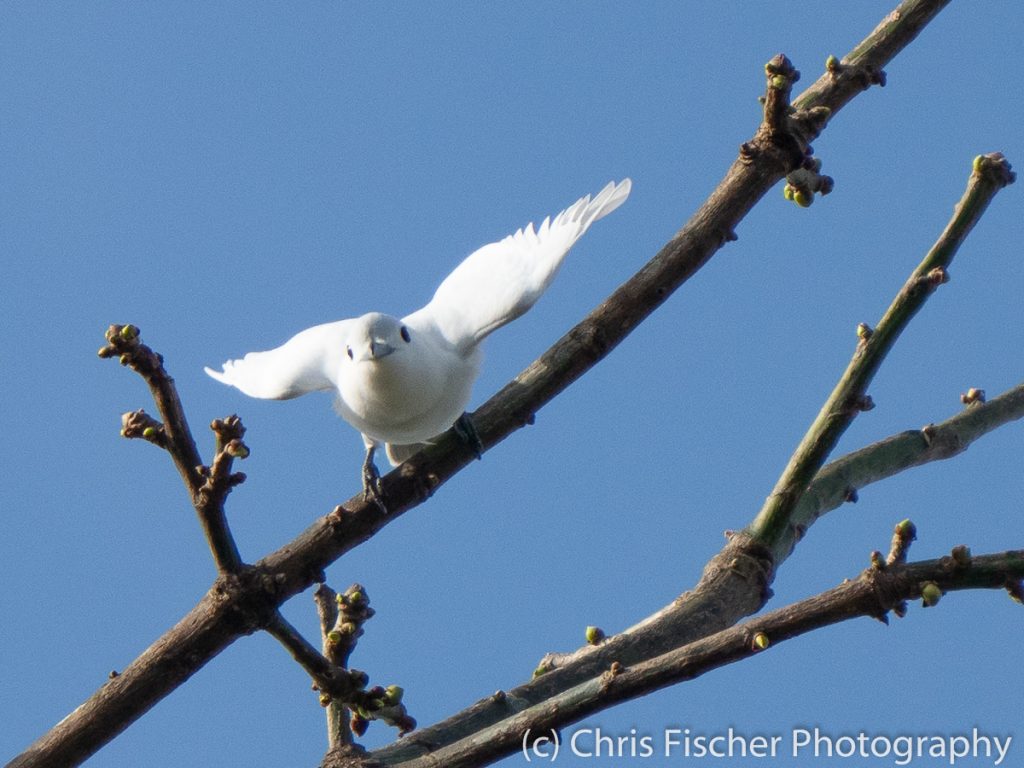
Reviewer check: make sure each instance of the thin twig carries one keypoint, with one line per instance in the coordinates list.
(123, 342)
(341, 625)
(307, 656)
(338, 731)
(218, 481)
(337, 683)
(207, 486)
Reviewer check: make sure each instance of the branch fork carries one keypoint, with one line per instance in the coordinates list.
(786, 133)
(744, 567)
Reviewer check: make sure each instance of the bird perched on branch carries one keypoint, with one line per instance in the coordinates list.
(402, 382)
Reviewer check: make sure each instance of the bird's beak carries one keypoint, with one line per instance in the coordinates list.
(379, 349)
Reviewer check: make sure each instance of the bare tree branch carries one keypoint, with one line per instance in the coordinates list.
(339, 733)
(761, 165)
(877, 590)
(736, 582)
(835, 482)
(207, 486)
(332, 680)
(989, 175)
(244, 599)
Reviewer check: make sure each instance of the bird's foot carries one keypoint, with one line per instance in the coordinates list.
(373, 489)
(467, 433)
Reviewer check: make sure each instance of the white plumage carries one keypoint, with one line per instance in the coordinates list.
(401, 382)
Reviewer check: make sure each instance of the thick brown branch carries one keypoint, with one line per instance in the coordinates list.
(873, 593)
(217, 620)
(729, 586)
(736, 573)
(233, 607)
(595, 336)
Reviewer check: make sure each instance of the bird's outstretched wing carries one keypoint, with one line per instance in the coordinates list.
(499, 282)
(307, 362)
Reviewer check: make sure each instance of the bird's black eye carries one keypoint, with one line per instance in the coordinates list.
(349, 351)
(405, 334)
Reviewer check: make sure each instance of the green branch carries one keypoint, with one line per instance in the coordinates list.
(990, 174)
(840, 479)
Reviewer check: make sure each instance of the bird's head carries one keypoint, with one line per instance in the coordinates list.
(375, 336)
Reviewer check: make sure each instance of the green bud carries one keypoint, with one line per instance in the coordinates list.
(594, 635)
(540, 671)
(930, 594)
(832, 64)
(802, 198)
(978, 164)
(325, 699)
(788, 191)
(906, 529)
(760, 641)
(334, 637)
(778, 82)
(149, 433)
(129, 332)
(393, 695)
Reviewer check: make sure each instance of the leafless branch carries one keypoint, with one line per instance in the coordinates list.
(207, 486)
(878, 590)
(245, 598)
(736, 582)
(990, 174)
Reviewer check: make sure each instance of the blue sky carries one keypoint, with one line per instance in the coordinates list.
(226, 174)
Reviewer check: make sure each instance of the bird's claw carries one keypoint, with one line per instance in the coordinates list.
(467, 433)
(373, 489)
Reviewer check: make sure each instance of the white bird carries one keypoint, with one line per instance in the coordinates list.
(402, 382)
